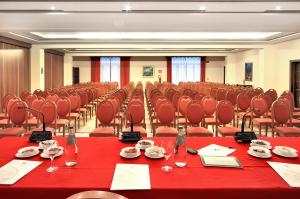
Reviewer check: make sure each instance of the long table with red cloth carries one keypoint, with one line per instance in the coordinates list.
(98, 157)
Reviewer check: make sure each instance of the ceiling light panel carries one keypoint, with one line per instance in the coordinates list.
(158, 35)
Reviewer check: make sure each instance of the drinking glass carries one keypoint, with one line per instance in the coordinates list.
(51, 152)
(167, 149)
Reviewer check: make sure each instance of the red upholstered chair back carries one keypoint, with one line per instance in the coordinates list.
(52, 98)
(175, 99)
(281, 111)
(272, 93)
(225, 112)
(209, 104)
(49, 110)
(166, 113)
(195, 112)
(258, 91)
(268, 100)
(24, 94)
(29, 99)
(198, 96)
(183, 101)
(289, 95)
(83, 98)
(96, 195)
(135, 112)
(105, 112)
(18, 113)
(38, 92)
(116, 104)
(5, 100)
(63, 93)
(259, 105)
(243, 101)
(36, 104)
(10, 103)
(231, 96)
(74, 101)
(221, 94)
(63, 107)
(160, 101)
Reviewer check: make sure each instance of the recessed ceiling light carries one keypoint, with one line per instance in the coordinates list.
(52, 7)
(278, 7)
(202, 8)
(127, 7)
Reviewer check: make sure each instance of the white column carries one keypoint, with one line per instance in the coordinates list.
(68, 69)
(37, 70)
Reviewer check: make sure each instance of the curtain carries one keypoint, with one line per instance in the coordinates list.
(169, 69)
(124, 71)
(203, 63)
(115, 70)
(185, 69)
(95, 69)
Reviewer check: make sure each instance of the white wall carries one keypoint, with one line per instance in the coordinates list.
(214, 70)
(84, 64)
(136, 68)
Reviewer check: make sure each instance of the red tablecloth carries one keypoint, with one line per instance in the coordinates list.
(98, 157)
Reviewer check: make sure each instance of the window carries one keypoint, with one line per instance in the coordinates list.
(110, 69)
(185, 69)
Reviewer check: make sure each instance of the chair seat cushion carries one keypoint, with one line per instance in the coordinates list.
(198, 131)
(103, 132)
(4, 121)
(140, 129)
(262, 120)
(166, 132)
(287, 131)
(295, 121)
(74, 115)
(62, 122)
(210, 120)
(296, 114)
(12, 132)
(228, 130)
(3, 115)
(181, 121)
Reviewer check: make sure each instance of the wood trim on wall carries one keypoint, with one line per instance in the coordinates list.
(55, 52)
(14, 42)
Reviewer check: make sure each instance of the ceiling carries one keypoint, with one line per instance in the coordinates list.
(150, 21)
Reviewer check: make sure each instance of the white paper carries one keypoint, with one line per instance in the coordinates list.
(221, 161)
(289, 172)
(16, 169)
(131, 177)
(215, 150)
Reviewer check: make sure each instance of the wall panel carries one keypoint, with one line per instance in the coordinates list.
(54, 70)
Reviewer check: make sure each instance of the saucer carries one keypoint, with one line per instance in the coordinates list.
(23, 154)
(267, 155)
(45, 155)
(148, 155)
(124, 155)
(286, 155)
(143, 146)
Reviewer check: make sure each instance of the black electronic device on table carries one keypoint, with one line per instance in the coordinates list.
(131, 136)
(192, 151)
(244, 137)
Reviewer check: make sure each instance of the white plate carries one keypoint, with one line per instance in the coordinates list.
(20, 154)
(268, 155)
(143, 147)
(154, 156)
(45, 155)
(124, 155)
(51, 142)
(286, 155)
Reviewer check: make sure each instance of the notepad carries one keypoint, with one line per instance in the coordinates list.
(15, 170)
(215, 150)
(289, 172)
(131, 177)
(215, 161)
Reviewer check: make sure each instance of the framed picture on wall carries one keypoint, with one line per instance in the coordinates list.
(148, 71)
(248, 71)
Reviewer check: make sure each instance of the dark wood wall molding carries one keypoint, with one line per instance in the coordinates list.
(14, 42)
(54, 70)
(55, 52)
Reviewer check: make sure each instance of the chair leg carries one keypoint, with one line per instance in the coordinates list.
(259, 129)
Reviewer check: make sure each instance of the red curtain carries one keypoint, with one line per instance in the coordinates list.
(169, 69)
(125, 71)
(95, 69)
(202, 74)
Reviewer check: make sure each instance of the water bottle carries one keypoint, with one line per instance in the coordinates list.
(180, 148)
(71, 149)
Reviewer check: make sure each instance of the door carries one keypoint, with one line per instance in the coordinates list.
(75, 75)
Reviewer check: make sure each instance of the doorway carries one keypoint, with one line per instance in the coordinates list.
(75, 75)
(295, 81)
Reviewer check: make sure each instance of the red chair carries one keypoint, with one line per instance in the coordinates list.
(16, 119)
(194, 116)
(63, 112)
(104, 115)
(209, 105)
(282, 120)
(33, 116)
(243, 102)
(136, 115)
(224, 116)
(4, 122)
(29, 99)
(166, 117)
(52, 98)
(259, 113)
(75, 109)
(5, 99)
(24, 94)
(221, 94)
(96, 195)
(183, 102)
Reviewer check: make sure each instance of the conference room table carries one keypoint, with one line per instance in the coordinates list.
(98, 157)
